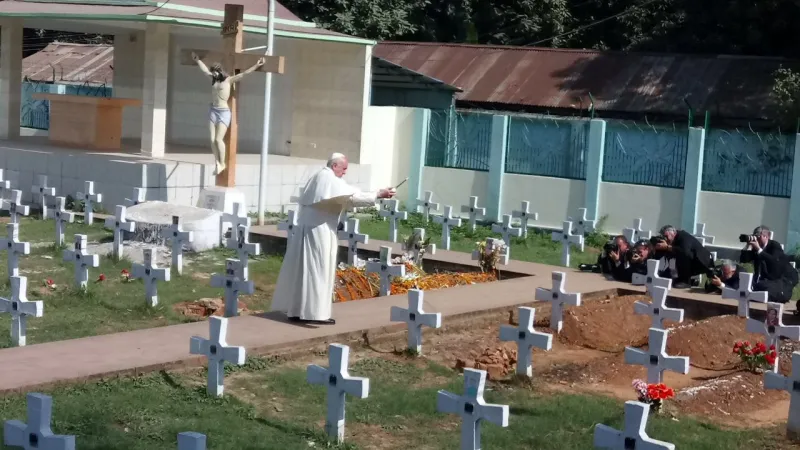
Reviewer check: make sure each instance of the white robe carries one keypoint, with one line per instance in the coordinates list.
(308, 273)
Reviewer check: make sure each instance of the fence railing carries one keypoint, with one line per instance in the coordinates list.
(459, 140)
(547, 147)
(644, 154)
(36, 113)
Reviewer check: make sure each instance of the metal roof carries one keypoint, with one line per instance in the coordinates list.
(388, 74)
(68, 63)
(493, 76)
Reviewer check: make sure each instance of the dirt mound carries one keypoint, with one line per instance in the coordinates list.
(607, 325)
(709, 343)
(206, 307)
(496, 361)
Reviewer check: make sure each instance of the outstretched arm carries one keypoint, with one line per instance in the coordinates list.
(201, 64)
(239, 76)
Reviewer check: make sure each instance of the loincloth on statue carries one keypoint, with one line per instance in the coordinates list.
(219, 115)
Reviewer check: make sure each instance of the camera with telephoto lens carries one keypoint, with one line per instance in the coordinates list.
(611, 246)
(747, 238)
(655, 240)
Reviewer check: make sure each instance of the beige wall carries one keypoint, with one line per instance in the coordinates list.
(623, 203)
(128, 78)
(553, 198)
(386, 145)
(728, 215)
(453, 187)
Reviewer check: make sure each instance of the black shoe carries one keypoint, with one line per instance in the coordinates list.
(680, 285)
(294, 319)
(323, 322)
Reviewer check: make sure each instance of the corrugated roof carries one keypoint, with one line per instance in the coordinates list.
(728, 86)
(71, 64)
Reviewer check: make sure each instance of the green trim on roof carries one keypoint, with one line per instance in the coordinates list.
(219, 13)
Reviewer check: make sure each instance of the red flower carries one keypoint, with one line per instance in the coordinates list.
(50, 281)
(771, 359)
(102, 277)
(125, 272)
(772, 347)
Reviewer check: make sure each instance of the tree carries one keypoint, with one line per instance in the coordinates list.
(786, 94)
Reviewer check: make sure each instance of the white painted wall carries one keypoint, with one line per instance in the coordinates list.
(385, 146)
(728, 215)
(623, 203)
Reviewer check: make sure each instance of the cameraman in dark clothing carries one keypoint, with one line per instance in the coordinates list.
(614, 259)
(726, 275)
(771, 269)
(642, 251)
(689, 255)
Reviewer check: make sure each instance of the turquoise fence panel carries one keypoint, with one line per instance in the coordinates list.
(459, 140)
(748, 162)
(36, 113)
(645, 154)
(547, 147)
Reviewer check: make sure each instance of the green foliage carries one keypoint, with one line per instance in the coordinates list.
(786, 94)
(598, 238)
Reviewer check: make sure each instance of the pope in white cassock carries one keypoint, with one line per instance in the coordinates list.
(305, 284)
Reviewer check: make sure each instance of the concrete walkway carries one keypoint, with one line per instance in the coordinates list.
(26, 368)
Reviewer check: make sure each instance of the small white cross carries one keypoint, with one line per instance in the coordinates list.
(700, 234)
(382, 206)
(506, 230)
(745, 294)
(36, 434)
(139, 195)
(658, 310)
(5, 185)
(20, 308)
(89, 199)
(415, 318)
(773, 328)
(633, 435)
(244, 248)
(558, 298)
(353, 238)
(151, 274)
(526, 338)
(636, 233)
(491, 244)
(385, 270)
(82, 260)
(175, 234)
(427, 204)
(524, 215)
(62, 217)
(582, 224)
(417, 249)
(44, 191)
(118, 224)
(234, 283)
(217, 350)
(474, 211)
(189, 440)
(14, 247)
(236, 218)
(338, 382)
(791, 384)
(447, 221)
(472, 408)
(288, 226)
(652, 278)
(15, 207)
(566, 238)
(393, 213)
(655, 358)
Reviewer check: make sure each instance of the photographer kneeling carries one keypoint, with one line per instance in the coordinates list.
(642, 251)
(726, 275)
(689, 255)
(771, 269)
(614, 259)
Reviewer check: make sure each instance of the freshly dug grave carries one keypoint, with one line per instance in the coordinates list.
(207, 307)
(355, 284)
(709, 343)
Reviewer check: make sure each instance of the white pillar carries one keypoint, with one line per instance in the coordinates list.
(154, 90)
(10, 77)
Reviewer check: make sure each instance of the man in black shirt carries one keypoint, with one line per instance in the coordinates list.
(690, 257)
(614, 262)
(642, 251)
(771, 269)
(728, 277)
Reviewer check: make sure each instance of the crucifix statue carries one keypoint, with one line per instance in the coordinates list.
(223, 123)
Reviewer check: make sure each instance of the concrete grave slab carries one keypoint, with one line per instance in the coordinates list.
(152, 218)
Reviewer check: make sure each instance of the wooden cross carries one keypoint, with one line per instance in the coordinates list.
(233, 59)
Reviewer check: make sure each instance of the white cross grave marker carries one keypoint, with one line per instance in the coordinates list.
(658, 310)
(44, 191)
(652, 278)
(472, 408)
(20, 308)
(384, 268)
(393, 213)
(338, 382)
(14, 247)
(82, 260)
(151, 274)
(447, 221)
(524, 215)
(415, 318)
(636, 233)
(89, 198)
(773, 328)
(244, 248)
(353, 238)
(700, 234)
(745, 294)
(491, 244)
(139, 195)
(558, 298)
(5, 185)
(526, 338)
(217, 350)
(234, 283)
(474, 211)
(178, 237)
(288, 226)
(506, 230)
(427, 204)
(633, 435)
(15, 207)
(61, 217)
(382, 206)
(582, 224)
(189, 440)
(566, 238)
(36, 434)
(236, 218)
(118, 223)
(655, 358)
(792, 385)
(418, 238)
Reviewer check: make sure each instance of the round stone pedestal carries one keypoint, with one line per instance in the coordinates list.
(152, 217)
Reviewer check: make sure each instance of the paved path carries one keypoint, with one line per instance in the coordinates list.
(22, 369)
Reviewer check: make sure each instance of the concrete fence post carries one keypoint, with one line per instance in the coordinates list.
(793, 228)
(419, 150)
(497, 168)
(693, 178)
(595, 152)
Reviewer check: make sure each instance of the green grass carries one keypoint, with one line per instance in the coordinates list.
(270, 405)
(113, 305)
